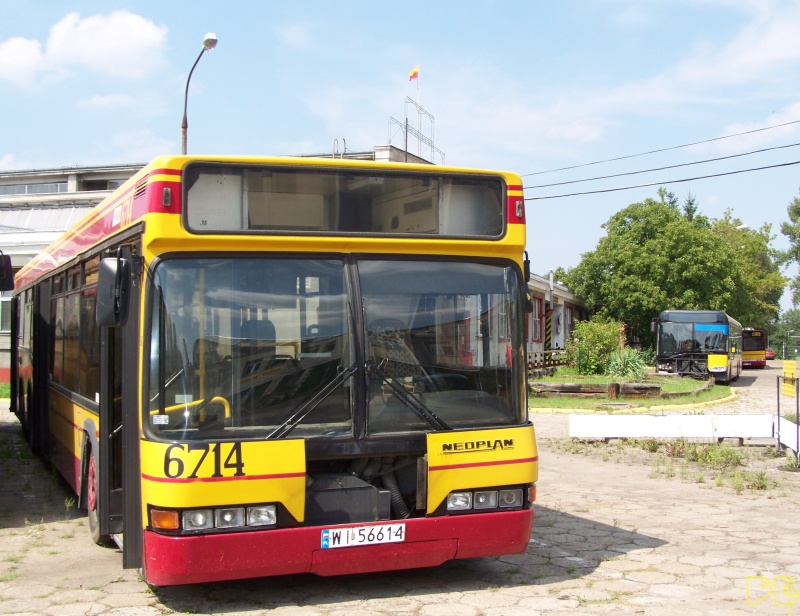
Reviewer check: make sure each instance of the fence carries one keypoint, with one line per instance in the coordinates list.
(786, 432)
(538, 360)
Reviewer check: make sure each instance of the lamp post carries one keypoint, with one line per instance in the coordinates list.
(209, 42)
(784, 343)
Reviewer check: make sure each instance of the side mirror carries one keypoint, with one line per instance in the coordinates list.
(528, 302)
(6, 273)
(113, 292)
(527, 267)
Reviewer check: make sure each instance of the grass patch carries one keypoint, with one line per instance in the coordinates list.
(713, 464)
(669, 384)
(5, 390)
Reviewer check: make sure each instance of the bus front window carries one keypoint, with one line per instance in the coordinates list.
(254, 345)
(441, 337)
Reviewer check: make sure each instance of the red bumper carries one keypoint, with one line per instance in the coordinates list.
(429, 542)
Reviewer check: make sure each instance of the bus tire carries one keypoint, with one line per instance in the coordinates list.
(92, 500)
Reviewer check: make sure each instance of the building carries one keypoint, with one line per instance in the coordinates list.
(550, 324)
(36, 207)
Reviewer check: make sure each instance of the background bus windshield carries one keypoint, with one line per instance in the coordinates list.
(679, 338)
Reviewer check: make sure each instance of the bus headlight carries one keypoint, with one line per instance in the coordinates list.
(229, 518)
(486, 499)
(198, 519)
(459, 501)
(263, 515)
(510, 498)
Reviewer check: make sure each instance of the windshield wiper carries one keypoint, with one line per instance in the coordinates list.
(406, 397)
(302, 411)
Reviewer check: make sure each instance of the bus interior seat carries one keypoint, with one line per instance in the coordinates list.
(390, 340)
(259, 334)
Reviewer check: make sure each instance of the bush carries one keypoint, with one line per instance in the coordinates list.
(626, 363)
(592, 343)
(649, 356)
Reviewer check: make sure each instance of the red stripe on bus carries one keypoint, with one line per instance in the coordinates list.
(214, 479)
(448, 467)
(67, 420)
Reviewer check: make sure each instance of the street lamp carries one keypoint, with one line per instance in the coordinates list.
(209, 42)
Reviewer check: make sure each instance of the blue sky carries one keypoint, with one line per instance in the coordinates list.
(527, 86)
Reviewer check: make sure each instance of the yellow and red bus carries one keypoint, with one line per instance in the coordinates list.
(754, 348)
(248, 367)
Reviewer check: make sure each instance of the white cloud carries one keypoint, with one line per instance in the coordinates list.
(107, 101)
(121, 44)
(141, 145)
(763, 49)
(634, 15)
(761, 138)
(20, 60)
(9, 162)
(294, 36)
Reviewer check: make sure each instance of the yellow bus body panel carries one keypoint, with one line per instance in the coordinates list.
(164, 234)
(717, 361)
(175, 477)
(480, 459)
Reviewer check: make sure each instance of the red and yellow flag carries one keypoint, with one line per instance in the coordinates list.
(414, 74)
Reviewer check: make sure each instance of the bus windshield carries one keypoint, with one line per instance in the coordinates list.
(266, 346)
(245, 343)
(677, 338)
(440, 337)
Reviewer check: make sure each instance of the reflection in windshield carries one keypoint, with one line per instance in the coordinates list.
(679, 338)
(246, 343)
(265, 347)
(441, 336)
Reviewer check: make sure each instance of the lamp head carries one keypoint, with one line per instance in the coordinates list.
(210, 41)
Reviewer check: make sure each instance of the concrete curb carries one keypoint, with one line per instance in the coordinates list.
(636, 409)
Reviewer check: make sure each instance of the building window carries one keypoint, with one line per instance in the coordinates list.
(101, 184)
(5, 312)
(567, 320)
(536, 320)
(34, 189)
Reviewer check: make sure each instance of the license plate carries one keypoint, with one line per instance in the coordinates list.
(363, 535)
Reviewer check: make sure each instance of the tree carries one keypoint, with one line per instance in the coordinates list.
(656, 257)
(791, 230)
(756, 301)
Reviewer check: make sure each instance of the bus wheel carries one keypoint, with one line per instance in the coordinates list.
(93, 502)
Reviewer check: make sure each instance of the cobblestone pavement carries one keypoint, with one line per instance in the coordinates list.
(609, 537)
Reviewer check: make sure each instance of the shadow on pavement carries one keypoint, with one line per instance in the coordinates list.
(31, 491)
(562, 547)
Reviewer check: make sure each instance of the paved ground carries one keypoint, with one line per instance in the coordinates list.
(610, 536)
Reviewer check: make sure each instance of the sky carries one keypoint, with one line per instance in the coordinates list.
(523, 85)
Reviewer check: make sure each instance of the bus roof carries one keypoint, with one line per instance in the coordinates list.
(696, 316)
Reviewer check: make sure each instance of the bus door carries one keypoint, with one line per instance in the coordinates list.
(35, 390)
(119, 476)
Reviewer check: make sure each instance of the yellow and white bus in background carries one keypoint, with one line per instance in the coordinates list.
(698, 343)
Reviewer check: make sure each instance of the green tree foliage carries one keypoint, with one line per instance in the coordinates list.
(755, 301)
(791, 230)
(784, 334)
(592, 343)
(656, 256)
